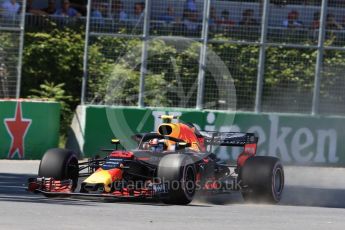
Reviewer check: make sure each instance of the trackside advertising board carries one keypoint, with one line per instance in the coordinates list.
(295, 139)
(28, 129)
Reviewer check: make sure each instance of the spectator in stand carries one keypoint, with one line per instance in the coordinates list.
(96, 14)
(67, 10)
(190, 21)
(248, 18)
(169, 15)
(332, 24)
(292, 20)
(29, 9)
(139, 8)
(190, 5)
(213, 16)
(79, 5)
(51, 9)
(213, 19)
(10, 8)
(225, 23)
(117, 11)
(104, 8)
(315, 25)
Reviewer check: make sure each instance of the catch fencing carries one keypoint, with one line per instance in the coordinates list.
(251, 55)
(278, 57)
(12, 17)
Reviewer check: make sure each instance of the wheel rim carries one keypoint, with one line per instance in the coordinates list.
(189, 186)
(278, 181)
(72, 171)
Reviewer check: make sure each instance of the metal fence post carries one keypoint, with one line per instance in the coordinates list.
(319, 59)
(86, 53)
(262, 57)
(21, 47)
(110, 6)
(144, 53)
(203, 55)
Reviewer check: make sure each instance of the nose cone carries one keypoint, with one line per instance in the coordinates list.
(105, 177)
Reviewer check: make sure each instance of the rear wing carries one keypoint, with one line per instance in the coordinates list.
(229, 138)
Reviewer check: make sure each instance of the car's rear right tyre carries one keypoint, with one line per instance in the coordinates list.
(262, 178)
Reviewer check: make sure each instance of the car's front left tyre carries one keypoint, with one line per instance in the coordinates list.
(60, 164)
(178, 171)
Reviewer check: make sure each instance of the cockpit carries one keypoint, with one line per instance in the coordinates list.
(155, 145)
(159, 143)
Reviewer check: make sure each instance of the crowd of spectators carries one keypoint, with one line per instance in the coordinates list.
(12, 8)
(293, 21)
(190, 17)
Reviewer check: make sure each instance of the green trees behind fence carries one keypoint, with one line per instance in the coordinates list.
(56, 57)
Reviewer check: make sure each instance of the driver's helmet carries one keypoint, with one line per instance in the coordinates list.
(157, 145)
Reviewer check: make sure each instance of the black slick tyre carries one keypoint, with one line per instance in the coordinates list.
(262, 179)
(179, 173)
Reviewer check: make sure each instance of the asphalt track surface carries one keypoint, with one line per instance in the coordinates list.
(314, 198)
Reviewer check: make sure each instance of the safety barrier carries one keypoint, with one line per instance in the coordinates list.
(296, 139)
(28, 128)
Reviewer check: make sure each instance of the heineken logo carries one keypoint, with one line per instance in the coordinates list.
(17, 127)
(291, 141)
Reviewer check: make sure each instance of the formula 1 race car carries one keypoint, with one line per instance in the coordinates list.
(171, 165)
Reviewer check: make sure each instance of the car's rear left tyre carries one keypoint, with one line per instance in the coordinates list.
(179, 173)
(60, 164)
(262, 178)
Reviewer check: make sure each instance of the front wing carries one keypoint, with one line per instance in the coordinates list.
(56, 188)
(53, 188)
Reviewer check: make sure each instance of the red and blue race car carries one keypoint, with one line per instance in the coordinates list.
(171, 164)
